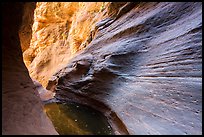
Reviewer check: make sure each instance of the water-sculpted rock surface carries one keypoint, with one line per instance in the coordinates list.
(141, 63)
(146, 67)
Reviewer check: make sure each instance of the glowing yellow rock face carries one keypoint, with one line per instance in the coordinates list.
(51, 23)
(59, 31)
(68, 21)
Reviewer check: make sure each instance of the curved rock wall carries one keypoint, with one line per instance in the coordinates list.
(60, 29)
(22, 109)
(145, 64)
(25, 31)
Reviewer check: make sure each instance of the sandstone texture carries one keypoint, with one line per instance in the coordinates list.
(138, 62)
(25, 31)
(22, 109)
(60, 29)
(144, 63)
(45, 95)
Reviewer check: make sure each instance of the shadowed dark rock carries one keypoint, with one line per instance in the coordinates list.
(22, 109)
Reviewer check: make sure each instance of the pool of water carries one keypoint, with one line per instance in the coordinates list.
(77, 119)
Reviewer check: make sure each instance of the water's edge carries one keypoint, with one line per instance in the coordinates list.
(117, 125)
(76, 119)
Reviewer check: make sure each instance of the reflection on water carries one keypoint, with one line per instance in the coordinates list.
(77, 119)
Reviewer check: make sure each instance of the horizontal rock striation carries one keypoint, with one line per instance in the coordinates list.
(145, 65)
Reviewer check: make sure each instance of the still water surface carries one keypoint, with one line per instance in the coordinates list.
(77, 119)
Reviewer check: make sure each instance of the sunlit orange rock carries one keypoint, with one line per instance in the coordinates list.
(60, 30)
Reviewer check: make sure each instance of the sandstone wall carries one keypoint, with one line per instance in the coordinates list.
(22, 110)
(142, 60)
(145, 64)
(60, 29)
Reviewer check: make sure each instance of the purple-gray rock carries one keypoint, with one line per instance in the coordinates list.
(145, 67)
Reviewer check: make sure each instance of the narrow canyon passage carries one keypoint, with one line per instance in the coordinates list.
(102, 68)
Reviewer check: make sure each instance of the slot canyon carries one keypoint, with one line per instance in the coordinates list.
(119, 68)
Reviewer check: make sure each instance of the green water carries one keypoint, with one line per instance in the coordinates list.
(77, 119)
